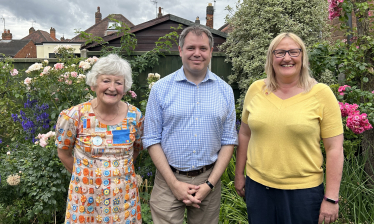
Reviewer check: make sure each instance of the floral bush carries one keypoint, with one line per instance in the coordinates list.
(33, 180)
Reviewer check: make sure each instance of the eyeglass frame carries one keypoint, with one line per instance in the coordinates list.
(285, 52)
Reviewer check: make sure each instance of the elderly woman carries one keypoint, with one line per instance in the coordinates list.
(104, 134)
(284, 118)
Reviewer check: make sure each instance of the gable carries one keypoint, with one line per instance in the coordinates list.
(149, 32)
(11, 48)
(100, 29)
(39, 36)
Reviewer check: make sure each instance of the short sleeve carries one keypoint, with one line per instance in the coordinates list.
(138, 145)
(66, 130)
(331, 119)
(253, 90)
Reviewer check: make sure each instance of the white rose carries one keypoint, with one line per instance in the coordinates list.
(150, 85)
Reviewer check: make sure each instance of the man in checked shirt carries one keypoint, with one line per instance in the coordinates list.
(190, 134)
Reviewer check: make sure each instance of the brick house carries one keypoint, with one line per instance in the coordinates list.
(16, 48)
(147, 33)
(103, 27)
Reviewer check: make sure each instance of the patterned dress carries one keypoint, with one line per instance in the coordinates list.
(103, 186)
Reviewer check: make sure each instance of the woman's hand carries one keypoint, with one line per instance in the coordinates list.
(240, 184)
(329, 212)
(241, 158)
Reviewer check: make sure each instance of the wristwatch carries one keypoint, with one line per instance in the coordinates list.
(210, 185)
(331, 200)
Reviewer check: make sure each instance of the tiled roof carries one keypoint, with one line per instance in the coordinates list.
(101, 27)
(154, 22)
(12, 47)
(226, 28)
(40, 36)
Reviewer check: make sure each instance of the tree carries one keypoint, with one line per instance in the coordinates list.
(256, 22)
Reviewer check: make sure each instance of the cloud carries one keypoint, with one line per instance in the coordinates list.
(67, 15)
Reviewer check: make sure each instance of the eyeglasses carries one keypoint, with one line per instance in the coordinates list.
(282, 53)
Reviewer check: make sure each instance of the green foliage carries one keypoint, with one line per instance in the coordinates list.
(10, 96)
(40, 197)
(356, 194)
(128, 40)
(42, 190)
(257, 22)
(233, 208)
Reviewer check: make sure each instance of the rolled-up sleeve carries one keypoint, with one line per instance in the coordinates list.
(153, 120)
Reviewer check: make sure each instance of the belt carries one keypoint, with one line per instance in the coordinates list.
(193, 173)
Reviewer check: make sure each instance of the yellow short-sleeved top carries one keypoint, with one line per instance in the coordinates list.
(284, 149)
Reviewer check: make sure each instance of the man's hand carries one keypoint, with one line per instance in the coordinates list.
(199, 195)
(328, 212)
(183, 192)
(240, 184)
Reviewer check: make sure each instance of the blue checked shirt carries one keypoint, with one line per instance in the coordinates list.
(191, 122)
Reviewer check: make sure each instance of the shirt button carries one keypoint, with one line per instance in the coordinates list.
(193, 166)
(197, 102)
(194, 151)
(196, 118)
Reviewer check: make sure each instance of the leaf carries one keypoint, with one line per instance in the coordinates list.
(365, 79)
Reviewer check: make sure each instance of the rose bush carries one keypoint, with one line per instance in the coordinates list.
(33, 180)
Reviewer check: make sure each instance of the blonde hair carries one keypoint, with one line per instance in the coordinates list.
(306, 82)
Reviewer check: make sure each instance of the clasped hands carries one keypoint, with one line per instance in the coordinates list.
(190, 194)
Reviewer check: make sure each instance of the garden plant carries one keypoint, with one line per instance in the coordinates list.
(33, 182)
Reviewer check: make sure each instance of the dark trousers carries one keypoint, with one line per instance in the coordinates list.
(270, 205)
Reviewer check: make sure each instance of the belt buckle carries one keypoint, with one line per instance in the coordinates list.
(187, 174)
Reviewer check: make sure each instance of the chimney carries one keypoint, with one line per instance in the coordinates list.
(197, 21)
(97, 16)
(53, 33)
(31, 30)
(159, 12)
(6, 35)
(62, 38)
(209, 15)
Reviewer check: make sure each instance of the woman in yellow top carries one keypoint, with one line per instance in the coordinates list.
(284, 118)
(104, 134)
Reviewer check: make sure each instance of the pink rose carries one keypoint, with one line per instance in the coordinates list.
(74, 74)
(59, 66)
(342, 89)
(42, 143)
(133, 94)
(27, 81)
(14, 72)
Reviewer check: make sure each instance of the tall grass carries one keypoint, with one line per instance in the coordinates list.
(356, 192)
(356, 195)
(233, 208)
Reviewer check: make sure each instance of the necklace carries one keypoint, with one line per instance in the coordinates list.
(101, 116)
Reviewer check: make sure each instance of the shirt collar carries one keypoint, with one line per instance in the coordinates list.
(181, 76)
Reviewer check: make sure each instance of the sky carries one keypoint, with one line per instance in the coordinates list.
(66, 16)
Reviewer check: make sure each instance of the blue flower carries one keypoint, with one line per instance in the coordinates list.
(15, 117)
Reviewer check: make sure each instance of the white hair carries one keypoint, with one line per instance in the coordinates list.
(110, 65)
